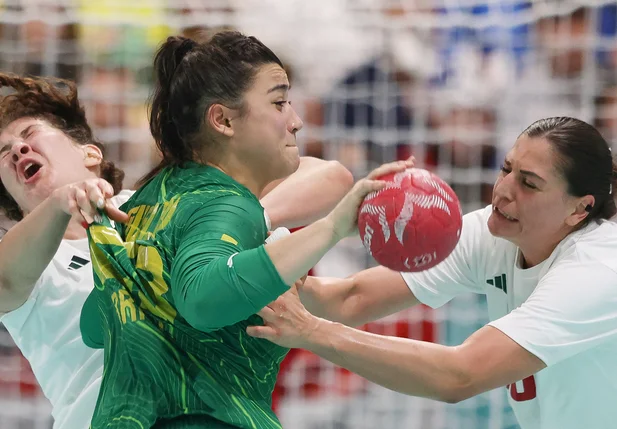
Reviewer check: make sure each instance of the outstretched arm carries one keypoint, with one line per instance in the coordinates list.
(26, 249)
(219, 265)
(308, 194)
(361, 298)
(486, 360)
(29, 246)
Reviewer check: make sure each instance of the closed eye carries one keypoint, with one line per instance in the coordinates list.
(5, 150)
(28, 131)
(505, 170)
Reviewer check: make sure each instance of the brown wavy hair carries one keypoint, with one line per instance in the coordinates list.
(56, 102)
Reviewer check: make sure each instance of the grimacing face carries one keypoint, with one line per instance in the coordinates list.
(37, 158)
(266, 134)
(531, 206)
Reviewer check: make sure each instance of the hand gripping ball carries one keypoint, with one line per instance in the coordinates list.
(412, 224)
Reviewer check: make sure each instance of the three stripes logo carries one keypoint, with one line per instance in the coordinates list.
(499, 282)
(77, 263)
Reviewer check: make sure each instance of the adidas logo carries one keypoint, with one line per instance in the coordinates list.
(499, 282)
(77, 263)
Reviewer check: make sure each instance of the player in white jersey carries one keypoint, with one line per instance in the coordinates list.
(50, 164)
(545, 255)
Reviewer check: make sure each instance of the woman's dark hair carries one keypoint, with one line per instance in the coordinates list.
(584, 159)
(189, 78)
(56, 102)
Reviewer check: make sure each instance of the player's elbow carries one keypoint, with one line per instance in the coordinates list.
(339, 175)
(460, 384)
(454, 392)
(13, 294)
(333, 299)
(354, 311)
(197, 315)
(454, 395)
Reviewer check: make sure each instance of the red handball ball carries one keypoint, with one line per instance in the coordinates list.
(412, 224)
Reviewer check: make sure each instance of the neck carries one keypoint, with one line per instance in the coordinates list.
(535, 254)
(243, 174)
(530, 261)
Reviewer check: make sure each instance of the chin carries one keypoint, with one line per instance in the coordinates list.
(500, 231)
(493, 226)
(295, 164)
(292, 161)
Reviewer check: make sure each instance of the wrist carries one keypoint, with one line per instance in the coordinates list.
(55, 203)
(319, 338)
(328, 227)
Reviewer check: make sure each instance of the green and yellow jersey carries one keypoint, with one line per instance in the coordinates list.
(175, 289)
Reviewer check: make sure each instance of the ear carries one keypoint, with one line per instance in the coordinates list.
(93, 157)
(581, 210)
(219, 118)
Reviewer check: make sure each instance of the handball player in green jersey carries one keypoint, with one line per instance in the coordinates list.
(177, 286)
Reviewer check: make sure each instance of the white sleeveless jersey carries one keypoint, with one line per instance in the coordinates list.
(564, 311)
(46, 330)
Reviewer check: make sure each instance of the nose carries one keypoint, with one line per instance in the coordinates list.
(295, 124)
(503, 189)
(18, 150)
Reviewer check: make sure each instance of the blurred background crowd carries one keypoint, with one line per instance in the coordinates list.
(452, 82)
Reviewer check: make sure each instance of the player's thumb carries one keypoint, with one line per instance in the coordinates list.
(116, 214)
(366, 186)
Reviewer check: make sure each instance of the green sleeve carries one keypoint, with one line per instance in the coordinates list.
(221, 273)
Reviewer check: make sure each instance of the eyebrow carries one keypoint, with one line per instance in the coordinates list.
(526, 172)
(532, 174)
(280, 87)
(26, 131)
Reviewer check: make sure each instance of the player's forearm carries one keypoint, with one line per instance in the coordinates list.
(363, 297)
(326, 297)
(294, 255)
(411, 367)
(26, 250)
(222, 290)
(308, 194)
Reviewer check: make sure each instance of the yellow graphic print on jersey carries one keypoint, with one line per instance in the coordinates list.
(145, 222)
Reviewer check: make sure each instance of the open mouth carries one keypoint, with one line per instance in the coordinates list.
(30, 170)
(504, 215)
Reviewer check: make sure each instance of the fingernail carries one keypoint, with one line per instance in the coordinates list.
(100, 203)
(84, 224)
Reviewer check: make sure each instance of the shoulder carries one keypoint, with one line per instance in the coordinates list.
(224, 210)
(122, 197)
(596, 244)
(220, 199)
(586, 262)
